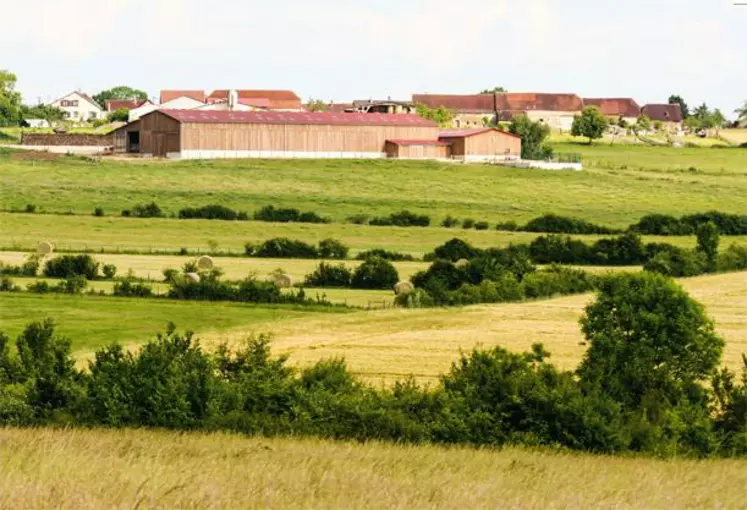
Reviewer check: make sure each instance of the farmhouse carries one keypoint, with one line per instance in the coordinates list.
(473, 110)
(670, 115)
(112, 105)
(79, 106)
(616, 109)
(281, 100)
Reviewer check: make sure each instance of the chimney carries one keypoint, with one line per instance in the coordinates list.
(233, 99)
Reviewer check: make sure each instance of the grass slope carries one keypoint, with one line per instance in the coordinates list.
(619, 184)
(142, 469)
(25, 231)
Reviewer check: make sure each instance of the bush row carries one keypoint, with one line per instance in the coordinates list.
(664, 225)
(284, 248)
(373, 273)
(649, 382)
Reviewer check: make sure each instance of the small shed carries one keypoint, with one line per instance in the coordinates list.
(127, 137)
(418, 149)
(482, 144)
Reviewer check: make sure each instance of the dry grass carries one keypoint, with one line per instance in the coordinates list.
(79, 469)
(383, 346)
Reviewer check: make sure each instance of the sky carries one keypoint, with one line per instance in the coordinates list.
(339, 50)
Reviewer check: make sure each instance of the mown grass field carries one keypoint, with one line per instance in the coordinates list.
(619, 184)
(380, 346)
(157, 469)
(24, 232)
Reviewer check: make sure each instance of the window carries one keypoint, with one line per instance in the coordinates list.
(91, 115)
(69, 103)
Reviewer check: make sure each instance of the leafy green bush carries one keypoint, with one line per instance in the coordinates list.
(212, 212)
(333, 249)
(282, 248)
(384, 254)
(358, 219)
(661, 225)
(402, 219)
(557, 281)
(454, 250)
(507, 226)
(482, 225)
(130, 288)
(109, 271)
(450, 221)
(6, 285)
(328, 275)
(67, 266)
(374, 273)
(468, 223)
(144, 211)
(271, 213)
(676, 262)
(734, 258)
(555, 224)
(664, 225)
(99, 211)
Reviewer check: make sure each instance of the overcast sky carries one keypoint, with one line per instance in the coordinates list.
(346, 49)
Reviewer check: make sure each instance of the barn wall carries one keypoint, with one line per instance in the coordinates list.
(493, 144)
(267, 140)
(160, 135)
(418, 151)
(457, 146)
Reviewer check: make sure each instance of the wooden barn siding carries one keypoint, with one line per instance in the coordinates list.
(300, 138)
(120, 135)
(159, 134)
(417, 151)
(457, 146)
(492, 144)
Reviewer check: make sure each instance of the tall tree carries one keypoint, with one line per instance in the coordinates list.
(675, 99)
(533, 136)
(442, 115)
(316, 105)
(590, 124)
(10, 100)
(42, 111)
(494, 90)
(121, 92)
(742, 112)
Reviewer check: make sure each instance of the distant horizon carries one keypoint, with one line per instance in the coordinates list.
(340, 51)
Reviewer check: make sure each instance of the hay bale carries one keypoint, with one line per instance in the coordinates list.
(282, 280)
(404, 287)
(462, 263)
(194, 277)
(45, 248)
(205, 263)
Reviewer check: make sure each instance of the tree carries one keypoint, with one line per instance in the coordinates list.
(316, 105)
(442, 115)
(10, 100)
(494, 90)
(675, 99)
(121, 115)
(42, 111)
(121, 92)
(643, 123)
(533, 136)
(742, 112)
(647, 339)
(591, 124)
(708, 240)
(717, 120)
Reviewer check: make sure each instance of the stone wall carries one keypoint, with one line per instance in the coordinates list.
(67, 139)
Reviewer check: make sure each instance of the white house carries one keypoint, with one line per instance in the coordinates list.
(143, 109)
(79, 107)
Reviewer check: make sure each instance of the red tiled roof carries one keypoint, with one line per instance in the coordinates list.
(474, 103)
(302, 118)
(464, 133)
(528, 101)
(622, 107)
(419, 142)
(257, 102)
(279, 99)
(113, 105)
(170, 95)
(663, 112)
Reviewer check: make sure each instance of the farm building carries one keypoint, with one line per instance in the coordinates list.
(190, 134)
(670, 115)
(418, 149)
(616, 109)
(481, 144)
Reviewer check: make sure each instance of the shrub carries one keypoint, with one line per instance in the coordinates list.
(170, 275)
(416, 299)
(515, 259)
(98, 211)
(441, 274)
(507, 226)
(375, 273)
(502, 288)
(676, 262)
(555, 224)
(358, 219)
(661, 225)
(130, 288)
(708, 240)
(6, 285)
(67, 266)
(270, 213)
(30, 265)
(482, 225)
(72, 285)
(468, 223)
(450, 222)
(210, 212)
(627, 249)
(454, 250)
(328, 275)
(728, 224)
(734, 258)
(384, 254)
(559, 249)
(109, 270)
(557, 281)
(282, 247)
(402, 219)
(332, 249)
(145, 211)
(30, 208)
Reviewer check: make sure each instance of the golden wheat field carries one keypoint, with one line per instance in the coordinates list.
(127, 469)
(382, 346)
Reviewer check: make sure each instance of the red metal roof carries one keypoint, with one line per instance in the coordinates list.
(663, 112)
(170, 95)
(303, 118)
(623, 107)
(464, 133)
(419, 142)
(280, 99)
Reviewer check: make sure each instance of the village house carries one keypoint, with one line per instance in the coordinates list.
(278, 100)
(616, 109)
(79, 107)
(112, 105)
(670, 116)
(382, 106)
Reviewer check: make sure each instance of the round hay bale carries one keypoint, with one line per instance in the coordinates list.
(205, 262)
(404, 287)
(194, 277)
(45, 248)
(461, 263)
(282, 280)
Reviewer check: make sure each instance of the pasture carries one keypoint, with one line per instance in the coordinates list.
(619, 185)
(158, 469)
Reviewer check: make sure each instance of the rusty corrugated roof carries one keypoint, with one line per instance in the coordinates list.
(170, 95)
(663, 112)
(303, 118)
(419, 142)
(464, 133)
(623, 107)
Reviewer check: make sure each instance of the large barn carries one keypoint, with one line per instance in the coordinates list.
(201, 134)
